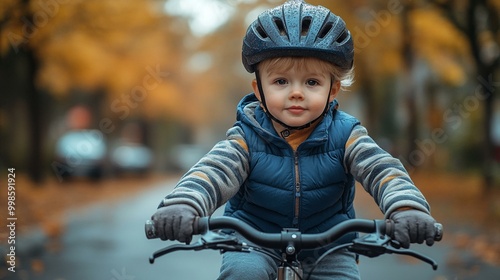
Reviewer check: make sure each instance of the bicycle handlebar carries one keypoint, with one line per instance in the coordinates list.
(377, 240)
(278, 240)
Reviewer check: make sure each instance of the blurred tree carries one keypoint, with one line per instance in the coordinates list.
(376, 33)
(394, 42)
(479, 21)
(145, 60)
(428, 36)
(126, 50)
(21, 11)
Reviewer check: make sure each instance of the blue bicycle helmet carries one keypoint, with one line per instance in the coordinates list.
(297, 28)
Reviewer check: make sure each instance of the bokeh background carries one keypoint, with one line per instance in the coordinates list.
(103, 100)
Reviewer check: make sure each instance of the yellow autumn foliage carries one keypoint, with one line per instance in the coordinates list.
(441, 44)
(94, 45)
(108, 46)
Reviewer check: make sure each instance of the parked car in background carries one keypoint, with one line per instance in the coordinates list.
(131, 158)
(130, 154)
(82, 153)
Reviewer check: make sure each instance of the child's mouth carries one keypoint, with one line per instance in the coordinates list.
(295, 109)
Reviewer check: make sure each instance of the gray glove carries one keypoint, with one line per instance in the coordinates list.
(413, 226)
(175, 222)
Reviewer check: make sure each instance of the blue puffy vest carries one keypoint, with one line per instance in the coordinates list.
(325, 191)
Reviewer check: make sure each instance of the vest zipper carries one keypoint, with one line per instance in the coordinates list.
(297, 191)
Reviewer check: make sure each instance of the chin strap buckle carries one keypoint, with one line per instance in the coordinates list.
(285, 133)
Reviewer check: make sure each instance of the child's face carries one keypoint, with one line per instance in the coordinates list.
(297, 93)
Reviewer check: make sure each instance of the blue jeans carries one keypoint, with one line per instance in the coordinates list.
(259, 266)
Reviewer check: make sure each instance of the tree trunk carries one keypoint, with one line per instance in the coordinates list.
(486, 70)
(35, 160)
(477, 11)
(412, 131)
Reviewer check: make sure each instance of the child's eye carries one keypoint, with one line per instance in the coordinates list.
(312, 83)
(280, 81)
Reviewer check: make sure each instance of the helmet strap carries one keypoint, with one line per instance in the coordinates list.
(285, 133)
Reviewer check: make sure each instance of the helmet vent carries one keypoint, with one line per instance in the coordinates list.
(342, 37)
(280, 26)
(306, 23)
(326, 28)
(261, 32)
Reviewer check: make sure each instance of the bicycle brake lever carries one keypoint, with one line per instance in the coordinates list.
(176, 247)
(223, 242)
(414, 254)
(373, 245)
(208, 240)
(370, 245)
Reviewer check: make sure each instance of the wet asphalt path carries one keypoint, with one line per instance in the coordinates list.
(107, 241)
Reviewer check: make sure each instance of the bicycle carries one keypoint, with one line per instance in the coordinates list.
(290, 242)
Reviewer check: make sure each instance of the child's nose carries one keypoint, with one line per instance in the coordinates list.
(297, 92)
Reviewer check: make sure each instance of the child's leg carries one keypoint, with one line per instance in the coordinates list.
(340, 265)
(247, 266)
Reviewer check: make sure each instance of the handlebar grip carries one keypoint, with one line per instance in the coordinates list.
(150, 229)
(438, 230)
(200, 226)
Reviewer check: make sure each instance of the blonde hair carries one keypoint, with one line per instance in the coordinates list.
(346, 77)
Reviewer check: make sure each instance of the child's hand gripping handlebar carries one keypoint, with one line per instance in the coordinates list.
(377, 241)
(269, 240)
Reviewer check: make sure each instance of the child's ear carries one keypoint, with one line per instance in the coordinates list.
(256, 91)
(335, 90)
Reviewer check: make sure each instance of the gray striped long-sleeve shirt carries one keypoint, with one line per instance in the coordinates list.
(220, 173)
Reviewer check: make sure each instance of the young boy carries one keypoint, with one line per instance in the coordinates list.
(292, 157)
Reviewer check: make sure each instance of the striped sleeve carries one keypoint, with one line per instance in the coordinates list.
(216, 177)
(380, 174)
